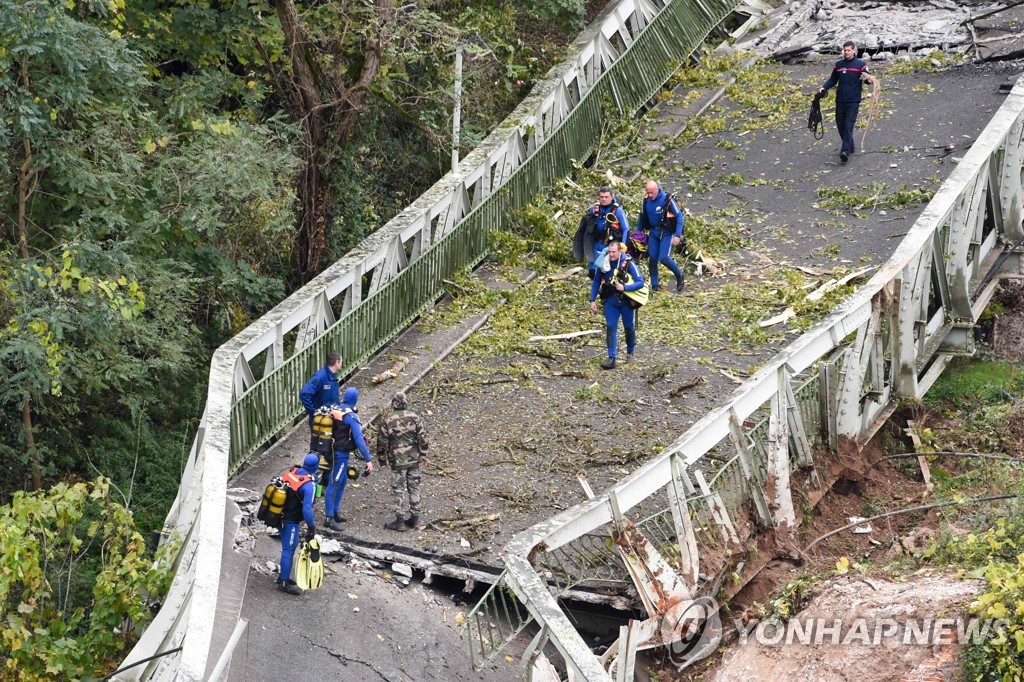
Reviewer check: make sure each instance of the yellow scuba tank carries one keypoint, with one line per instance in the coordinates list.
(272, 504)
(323, 430)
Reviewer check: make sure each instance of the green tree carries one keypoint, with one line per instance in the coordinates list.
(74, 582)
(128, 229)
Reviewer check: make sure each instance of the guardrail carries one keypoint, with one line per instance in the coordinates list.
(888, 341)
(367, 297)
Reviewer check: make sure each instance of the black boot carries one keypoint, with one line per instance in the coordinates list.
(679, 284)
(608, 364)
(289, 586)
(398, 524)
(413, 521)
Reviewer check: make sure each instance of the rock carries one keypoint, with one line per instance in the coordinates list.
(330, 546)
(936, 63)
(242, 495)
(402, 569)
(402, 582)
(821, 15)
(881, 56)
(724, 50)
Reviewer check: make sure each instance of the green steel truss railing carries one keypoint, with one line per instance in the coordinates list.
(623, 58)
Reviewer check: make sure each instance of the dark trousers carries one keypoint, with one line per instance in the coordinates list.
(846, 118)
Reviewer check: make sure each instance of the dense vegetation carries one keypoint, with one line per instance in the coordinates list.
(170, 170)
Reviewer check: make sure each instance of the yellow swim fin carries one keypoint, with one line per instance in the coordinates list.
(315, 565)
(300, 572)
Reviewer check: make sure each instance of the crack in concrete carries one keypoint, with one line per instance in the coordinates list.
(346, 659)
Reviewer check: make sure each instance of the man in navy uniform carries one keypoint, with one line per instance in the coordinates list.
(848, 78)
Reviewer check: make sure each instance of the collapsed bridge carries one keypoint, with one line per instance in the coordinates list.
(907, 322)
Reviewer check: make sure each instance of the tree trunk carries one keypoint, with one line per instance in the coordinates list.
(311, 231)
(314, 94)
(25, 173)
(374, 51)
(30, 443)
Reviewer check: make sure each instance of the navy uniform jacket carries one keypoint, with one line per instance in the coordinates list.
(847, 75)
(320, 390)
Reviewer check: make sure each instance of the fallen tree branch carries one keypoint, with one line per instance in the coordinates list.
(565, 275)
(781, 317)
(456, 285)
(570, 335)
(686, 386)
(392, 373)
(830, 285)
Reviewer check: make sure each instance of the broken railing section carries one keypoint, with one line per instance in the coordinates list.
(889, 341)
(657, 558)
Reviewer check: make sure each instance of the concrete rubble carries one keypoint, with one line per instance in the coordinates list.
(888, 30)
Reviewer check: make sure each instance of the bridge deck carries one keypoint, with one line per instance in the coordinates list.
(506, 452)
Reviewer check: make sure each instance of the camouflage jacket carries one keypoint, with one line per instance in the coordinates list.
(401, 440)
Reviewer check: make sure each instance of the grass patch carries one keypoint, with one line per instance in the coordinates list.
(977, 383)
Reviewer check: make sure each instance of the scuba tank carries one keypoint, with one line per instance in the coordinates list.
(272, 504)
(323, 430)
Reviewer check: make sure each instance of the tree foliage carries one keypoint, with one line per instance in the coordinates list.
(73, 582)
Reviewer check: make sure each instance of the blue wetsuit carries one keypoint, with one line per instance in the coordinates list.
(298, 508)
(618, 305)
(847, 79)
(338, 478)
(320, 390)
(663, 219)
(601, 229)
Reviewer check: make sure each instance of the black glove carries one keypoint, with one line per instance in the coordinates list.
(310, 533)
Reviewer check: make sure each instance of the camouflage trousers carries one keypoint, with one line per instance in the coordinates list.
(402, 480)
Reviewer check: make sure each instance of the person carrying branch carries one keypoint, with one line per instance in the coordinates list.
(848, 78)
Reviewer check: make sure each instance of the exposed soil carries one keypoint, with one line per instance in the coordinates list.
(847, 656)
(1008, 329)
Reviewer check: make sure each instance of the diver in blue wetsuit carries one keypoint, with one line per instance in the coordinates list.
(348, 436)
(610, 222)
(621, 276)
(298, 507)
(662, 219)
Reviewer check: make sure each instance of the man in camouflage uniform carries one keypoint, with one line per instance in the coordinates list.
(402, 445)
